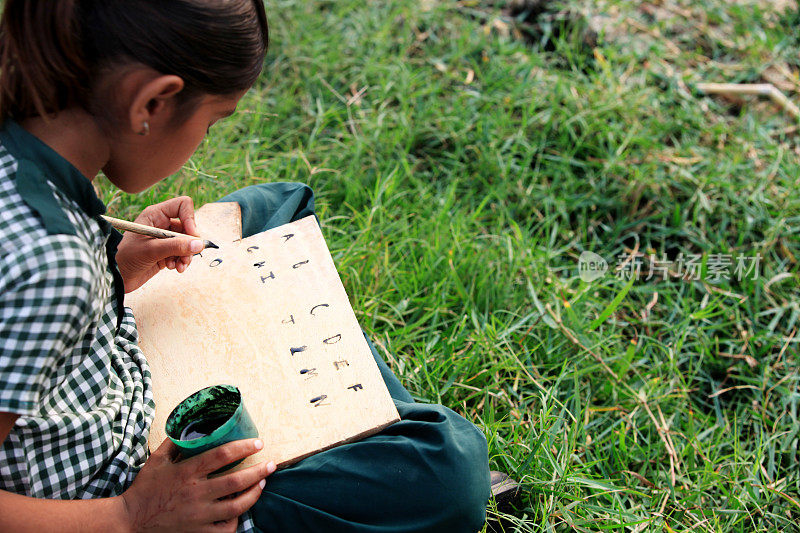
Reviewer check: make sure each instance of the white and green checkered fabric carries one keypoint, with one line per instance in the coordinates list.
(69, 364)
(81, 388)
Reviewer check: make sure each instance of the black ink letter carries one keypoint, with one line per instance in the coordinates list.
(320, 305)
(330, 340)
(317, 401)
(312, 373)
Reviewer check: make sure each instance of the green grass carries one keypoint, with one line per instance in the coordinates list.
(456, 209)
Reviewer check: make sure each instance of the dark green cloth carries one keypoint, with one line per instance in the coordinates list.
(43, 163)
(429, 472)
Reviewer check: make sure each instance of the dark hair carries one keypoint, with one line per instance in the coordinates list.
(54, 52)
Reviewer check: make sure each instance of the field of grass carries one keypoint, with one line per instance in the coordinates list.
(465, 154)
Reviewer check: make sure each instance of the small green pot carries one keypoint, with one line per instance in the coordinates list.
(209, 418)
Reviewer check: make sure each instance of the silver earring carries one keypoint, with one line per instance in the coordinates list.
(145, 128)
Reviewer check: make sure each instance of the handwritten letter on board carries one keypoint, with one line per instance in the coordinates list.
(269, 315)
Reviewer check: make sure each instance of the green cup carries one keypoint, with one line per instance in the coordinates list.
(209, 418)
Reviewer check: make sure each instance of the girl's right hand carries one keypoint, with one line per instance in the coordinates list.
(178, 496)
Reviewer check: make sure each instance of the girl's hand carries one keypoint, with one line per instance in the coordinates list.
(140, 258)
(174, 497)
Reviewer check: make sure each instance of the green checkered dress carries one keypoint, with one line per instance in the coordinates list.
(69, 364)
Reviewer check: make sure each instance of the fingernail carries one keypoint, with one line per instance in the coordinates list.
(271, 467)
(196, 246)
(262, 483)
(258, 444)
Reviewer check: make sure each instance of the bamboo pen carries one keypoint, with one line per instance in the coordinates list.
(150, 231)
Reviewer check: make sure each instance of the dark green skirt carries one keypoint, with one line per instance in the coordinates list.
(429, 472)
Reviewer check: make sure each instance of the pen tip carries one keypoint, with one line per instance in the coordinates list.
(209, 244)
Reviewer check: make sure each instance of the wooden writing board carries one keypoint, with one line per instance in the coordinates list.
(269, 315)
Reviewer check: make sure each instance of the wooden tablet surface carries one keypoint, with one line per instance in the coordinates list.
(269, 315)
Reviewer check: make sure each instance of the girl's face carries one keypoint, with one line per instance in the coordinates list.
(138, 163)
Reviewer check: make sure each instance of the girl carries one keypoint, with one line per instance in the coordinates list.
(130, 88)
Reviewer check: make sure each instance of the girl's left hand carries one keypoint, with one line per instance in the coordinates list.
(140, 258)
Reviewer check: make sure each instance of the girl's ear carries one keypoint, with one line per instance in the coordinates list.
(150, 103)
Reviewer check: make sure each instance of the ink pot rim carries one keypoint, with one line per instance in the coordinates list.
(201, 444)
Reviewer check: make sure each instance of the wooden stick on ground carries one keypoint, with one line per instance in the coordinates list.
(760, 89)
